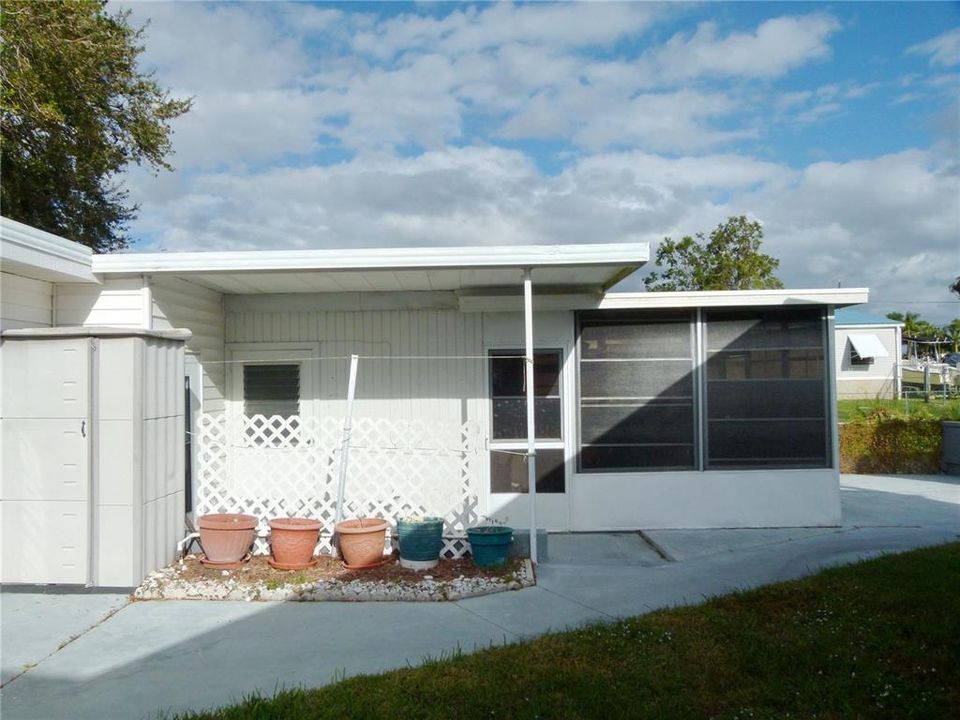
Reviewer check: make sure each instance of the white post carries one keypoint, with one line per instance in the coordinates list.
(345, 439)
(531, 430)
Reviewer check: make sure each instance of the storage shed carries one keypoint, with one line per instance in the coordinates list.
(92, 424)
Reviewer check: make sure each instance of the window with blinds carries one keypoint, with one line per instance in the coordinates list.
(271, 390)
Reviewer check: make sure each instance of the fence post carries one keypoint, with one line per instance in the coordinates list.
(345, 438)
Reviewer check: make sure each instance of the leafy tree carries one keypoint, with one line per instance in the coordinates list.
(729, 260)
(75, 110)
(916, 327)
(951, 332)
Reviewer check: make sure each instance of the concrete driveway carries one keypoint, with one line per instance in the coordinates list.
(99, 656)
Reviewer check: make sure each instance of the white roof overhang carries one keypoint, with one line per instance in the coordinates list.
(867, 345)
(506, 301)
(33, 253)
(592, 268)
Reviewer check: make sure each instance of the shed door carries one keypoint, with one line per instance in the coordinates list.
(46, 468)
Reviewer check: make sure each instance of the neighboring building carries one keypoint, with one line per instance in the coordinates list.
(868, 355)
(652, 410)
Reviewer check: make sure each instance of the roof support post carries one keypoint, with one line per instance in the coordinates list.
(531, 430)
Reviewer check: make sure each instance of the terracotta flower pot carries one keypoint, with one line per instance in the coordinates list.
(292, 542)
(226, 537)
(361, 541)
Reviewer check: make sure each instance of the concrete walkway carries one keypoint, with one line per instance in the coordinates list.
(147, 657)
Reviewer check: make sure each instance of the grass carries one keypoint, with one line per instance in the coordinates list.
(879, 639)
(937, 408)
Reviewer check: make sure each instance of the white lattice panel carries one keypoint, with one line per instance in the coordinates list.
(270, 467)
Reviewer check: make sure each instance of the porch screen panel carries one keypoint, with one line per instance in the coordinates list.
(271, 390)
(766, 389)
(636, 391)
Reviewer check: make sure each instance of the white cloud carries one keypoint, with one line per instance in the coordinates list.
(943, 50)
(777, 46)
(563, 25)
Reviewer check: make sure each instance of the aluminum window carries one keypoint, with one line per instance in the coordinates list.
(508, 432)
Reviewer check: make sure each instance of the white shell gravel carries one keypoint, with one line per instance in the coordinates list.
(166, 584)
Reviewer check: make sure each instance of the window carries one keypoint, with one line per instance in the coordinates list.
(271, 395)
(766, 389)
(636, 391)
(864, 347)
(271, 390)
(508, 467)
(855, 358)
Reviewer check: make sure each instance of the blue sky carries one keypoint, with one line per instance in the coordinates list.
(364, 124)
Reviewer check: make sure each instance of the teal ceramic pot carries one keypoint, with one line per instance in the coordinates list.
(490, 544)
(420, 540)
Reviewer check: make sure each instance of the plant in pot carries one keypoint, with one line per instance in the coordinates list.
(420, 540)
(292, 542)
(226, 538)
(361, 542)
(490, 544)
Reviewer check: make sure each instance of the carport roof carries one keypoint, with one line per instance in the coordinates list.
(572, 267)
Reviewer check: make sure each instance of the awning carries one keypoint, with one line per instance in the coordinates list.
(868, 345)
(568, 268)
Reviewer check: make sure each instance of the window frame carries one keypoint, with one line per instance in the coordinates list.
(624, 317)
(826, 369)
(520, 445)
(239, 355)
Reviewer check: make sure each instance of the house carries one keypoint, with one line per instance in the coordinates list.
(650, 410)
(868, 351)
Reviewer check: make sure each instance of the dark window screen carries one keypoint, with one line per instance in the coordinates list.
(766, 389)
(508, 472)
(271, 390)
(636, 391)
(508, 466)
(509, 395)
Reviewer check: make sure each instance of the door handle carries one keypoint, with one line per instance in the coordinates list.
(83, 428)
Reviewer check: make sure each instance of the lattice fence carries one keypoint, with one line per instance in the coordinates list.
(274, 467)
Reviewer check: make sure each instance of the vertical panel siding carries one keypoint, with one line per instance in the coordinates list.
(182, 304)
(25, 302)
(399, 387)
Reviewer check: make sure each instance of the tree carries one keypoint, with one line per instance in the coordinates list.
(75, 110)
(916, 327)
(954, 287)
(729, 260)
(951, 332)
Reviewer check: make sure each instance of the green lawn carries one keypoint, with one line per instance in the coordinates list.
(880, 639)
(937, 408)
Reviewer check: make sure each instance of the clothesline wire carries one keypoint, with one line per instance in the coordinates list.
(367, 357)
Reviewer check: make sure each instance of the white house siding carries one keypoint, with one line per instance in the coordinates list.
(406, 386)
(120, 302)
(182, 304)
(25, 302)
(876, 380)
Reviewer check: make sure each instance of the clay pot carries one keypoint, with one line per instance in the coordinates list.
(362, 541)
(292, 542)
(226, 537)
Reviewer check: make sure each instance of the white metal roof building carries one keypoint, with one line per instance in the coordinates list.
(650, 410)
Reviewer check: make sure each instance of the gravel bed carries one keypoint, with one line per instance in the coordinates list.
(188, 579)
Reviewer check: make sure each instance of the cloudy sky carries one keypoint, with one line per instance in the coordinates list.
(366, 125)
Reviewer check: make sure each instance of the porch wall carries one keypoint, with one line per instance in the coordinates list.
(182, 304)
(397, 388)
